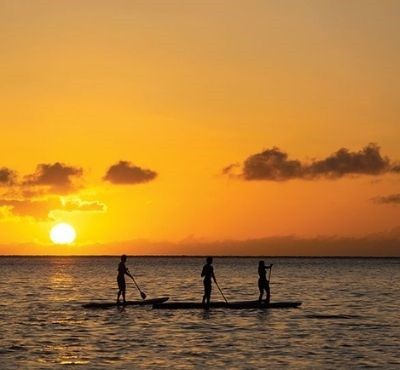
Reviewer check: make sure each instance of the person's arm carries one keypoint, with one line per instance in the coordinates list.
(203, 272)
(270, 266)
(128, 273)
(213, 276)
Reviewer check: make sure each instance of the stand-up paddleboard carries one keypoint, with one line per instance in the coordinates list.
(142, 302)
(234, 305)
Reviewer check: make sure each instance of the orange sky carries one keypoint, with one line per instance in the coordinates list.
(180, 90)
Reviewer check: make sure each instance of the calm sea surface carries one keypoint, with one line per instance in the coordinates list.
(350, 316)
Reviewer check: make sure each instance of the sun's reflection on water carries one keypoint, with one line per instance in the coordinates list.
(43, 323)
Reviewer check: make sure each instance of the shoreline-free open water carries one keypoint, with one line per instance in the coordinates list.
(349, 317)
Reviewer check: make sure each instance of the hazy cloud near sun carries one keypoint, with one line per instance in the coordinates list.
(38, 209)
(125, 172)
(77, 204)
(275, 165)
(45, 209)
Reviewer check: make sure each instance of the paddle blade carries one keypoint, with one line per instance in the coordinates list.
(143, 295)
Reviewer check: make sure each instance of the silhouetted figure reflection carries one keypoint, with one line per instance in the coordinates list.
(122, 271)
(208, 274)
(263, 282)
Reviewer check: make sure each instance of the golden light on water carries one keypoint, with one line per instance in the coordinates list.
(63, 233)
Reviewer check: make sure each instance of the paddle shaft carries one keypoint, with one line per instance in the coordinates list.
(221, 291)
(137, 286)
(269, 275)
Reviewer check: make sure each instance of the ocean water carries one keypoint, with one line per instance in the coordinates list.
(350, 317)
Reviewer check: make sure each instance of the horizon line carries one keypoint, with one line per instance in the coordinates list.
(193, 256)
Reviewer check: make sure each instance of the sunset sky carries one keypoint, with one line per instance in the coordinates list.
(197, 122)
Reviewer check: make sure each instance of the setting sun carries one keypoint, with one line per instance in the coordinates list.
(62, 233)
(207, 127)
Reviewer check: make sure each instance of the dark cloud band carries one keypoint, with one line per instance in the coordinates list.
(275, 165)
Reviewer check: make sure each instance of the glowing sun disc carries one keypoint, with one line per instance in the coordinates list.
(62, 233)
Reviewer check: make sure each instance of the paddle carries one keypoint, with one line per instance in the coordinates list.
(221, 292)
(142, 294)
(269, 275)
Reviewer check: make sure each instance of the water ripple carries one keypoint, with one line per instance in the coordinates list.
(350, 315)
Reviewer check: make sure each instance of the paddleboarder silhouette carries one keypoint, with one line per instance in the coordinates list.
(208, 274)
(263, 282)
(122, 271)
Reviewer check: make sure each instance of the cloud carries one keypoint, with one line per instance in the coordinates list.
(45, 209)
(38, 194)
(367, 161)
(58, 176)
(271, 164)
(275, 165)
(38, 209)
(125, 172)
(231, 169)
(395, 168)
(387, 199)
(7, 176)
(383, 244)
(78, 205)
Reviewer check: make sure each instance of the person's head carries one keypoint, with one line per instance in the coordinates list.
(261, 264)
(209, 260)
(123, 258)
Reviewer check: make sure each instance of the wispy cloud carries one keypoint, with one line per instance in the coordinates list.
(76, 204)
(396, 168)
(290, 245)
(45, 209)
(387, 199)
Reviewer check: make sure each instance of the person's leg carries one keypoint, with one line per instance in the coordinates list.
(208, 294)
(261, 289)
(123, 290)
(119, 290)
